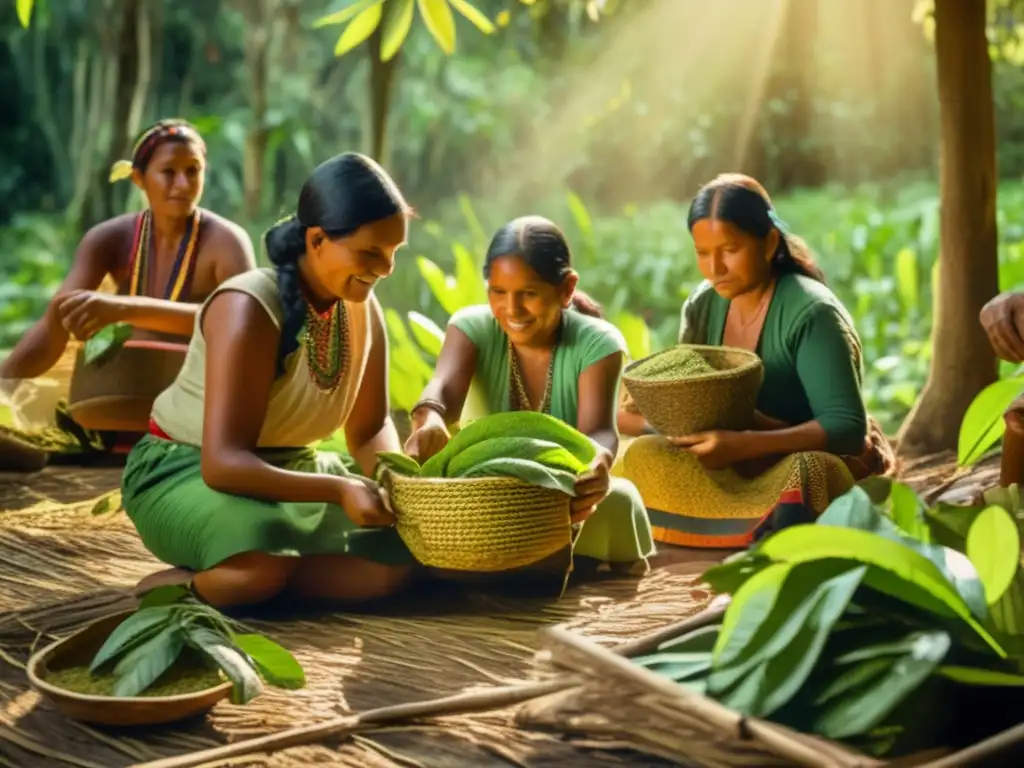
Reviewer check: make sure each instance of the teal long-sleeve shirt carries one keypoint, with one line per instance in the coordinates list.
(813, 364)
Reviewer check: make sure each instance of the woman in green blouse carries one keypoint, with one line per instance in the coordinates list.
(540, 344)
(763, 292)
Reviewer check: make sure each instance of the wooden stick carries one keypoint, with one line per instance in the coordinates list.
(496, 698)
(983, 750)
(650, 641)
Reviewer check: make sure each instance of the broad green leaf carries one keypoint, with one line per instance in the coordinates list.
(980, 676)
(139, 624)
(426, 332)
(993, 545)
(443, 288)
(1008, 498)
(480, 238)
(140, 668)
(907, 511)
(24, 8)
(359, 29)
(855, 510)
(165, 595)
(1008, 614)
(474, 14)
(949, 524)
(471, 287)
(246, 682)
(349, 12)
(527, 471)
(677, 666)
(863, 707)
(396, 27)
(983, 423)
(636, 333)
(108, 502)
(899, 570)
(697, 641)
(785, 648)
(275, 663)
(437, 16)
(751, 605)
(729, 575)
(399, 462)
(545, 452)
(106, 341)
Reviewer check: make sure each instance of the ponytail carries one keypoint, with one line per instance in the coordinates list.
(285, 242)
(794, 255)
(585, 305)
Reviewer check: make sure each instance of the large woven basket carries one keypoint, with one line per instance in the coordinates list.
(116, 393)
(724, 399)
(486, 524)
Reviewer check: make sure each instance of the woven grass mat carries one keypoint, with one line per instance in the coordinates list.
(61, 567)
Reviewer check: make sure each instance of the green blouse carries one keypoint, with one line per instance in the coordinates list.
(584, 340)
(813, 367)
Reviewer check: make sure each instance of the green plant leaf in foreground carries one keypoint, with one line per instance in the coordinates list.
(140, 668)
(544, 452)
(24, 9)
(106, 341)
(855, 510)
(246, 682)
(165, 595)
(878, 678)
(993, 545)
(783, 650)
(277, 666)
(897, 570)
(139, 626)
(980, 676)
(983, 424)
(527, 471)
(399, 463)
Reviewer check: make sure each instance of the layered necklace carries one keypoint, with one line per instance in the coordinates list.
(519, 397)
(327, 347)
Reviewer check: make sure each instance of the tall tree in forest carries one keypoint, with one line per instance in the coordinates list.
(962, 360)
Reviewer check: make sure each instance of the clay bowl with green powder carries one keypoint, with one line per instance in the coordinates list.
(693, 387)
(60, 672)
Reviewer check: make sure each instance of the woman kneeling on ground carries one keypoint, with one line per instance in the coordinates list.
(811, 437)
(541, 345)
(164, 261)
(225, 487)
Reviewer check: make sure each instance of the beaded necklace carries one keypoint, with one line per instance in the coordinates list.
(184, 263)
(519, 397)
(327, 347)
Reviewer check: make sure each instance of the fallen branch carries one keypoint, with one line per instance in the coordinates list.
(477, 701)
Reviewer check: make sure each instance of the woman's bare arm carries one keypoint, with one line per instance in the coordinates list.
(370, 429)
(598, 406)
(241, 355)
(452, 378)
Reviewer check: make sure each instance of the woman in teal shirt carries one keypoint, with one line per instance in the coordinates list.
(764, 293)
(540, 344)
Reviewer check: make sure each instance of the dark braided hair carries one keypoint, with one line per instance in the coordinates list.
(744, 203)
(542, 245)
(340, 196)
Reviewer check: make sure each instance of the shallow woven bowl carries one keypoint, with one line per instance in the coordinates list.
(485, 524)
(724, 399)
(117, 392)
(79, 649)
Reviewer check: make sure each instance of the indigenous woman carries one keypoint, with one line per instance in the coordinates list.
(540, 345)
(811, 438)
(225, 487)
(164, 261)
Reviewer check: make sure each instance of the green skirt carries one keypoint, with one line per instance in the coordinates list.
(187, 524)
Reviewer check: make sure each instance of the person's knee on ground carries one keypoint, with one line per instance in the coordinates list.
(347, 579)
(248, 578)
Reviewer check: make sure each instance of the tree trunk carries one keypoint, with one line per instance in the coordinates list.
(258, 15)
(382, 81)
(962, 359)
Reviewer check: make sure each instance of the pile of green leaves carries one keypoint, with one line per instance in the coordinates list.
(528, 445)
(168, 621)
(870, 626)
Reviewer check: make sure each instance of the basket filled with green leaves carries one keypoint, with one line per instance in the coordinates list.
(690, 388)
(496, 498)
(170, 659)
(885, 631)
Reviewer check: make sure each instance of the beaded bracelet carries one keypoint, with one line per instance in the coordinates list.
(435, 405)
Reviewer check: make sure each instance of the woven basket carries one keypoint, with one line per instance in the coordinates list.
(724, 399)
(485, 524)
(117, 393)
